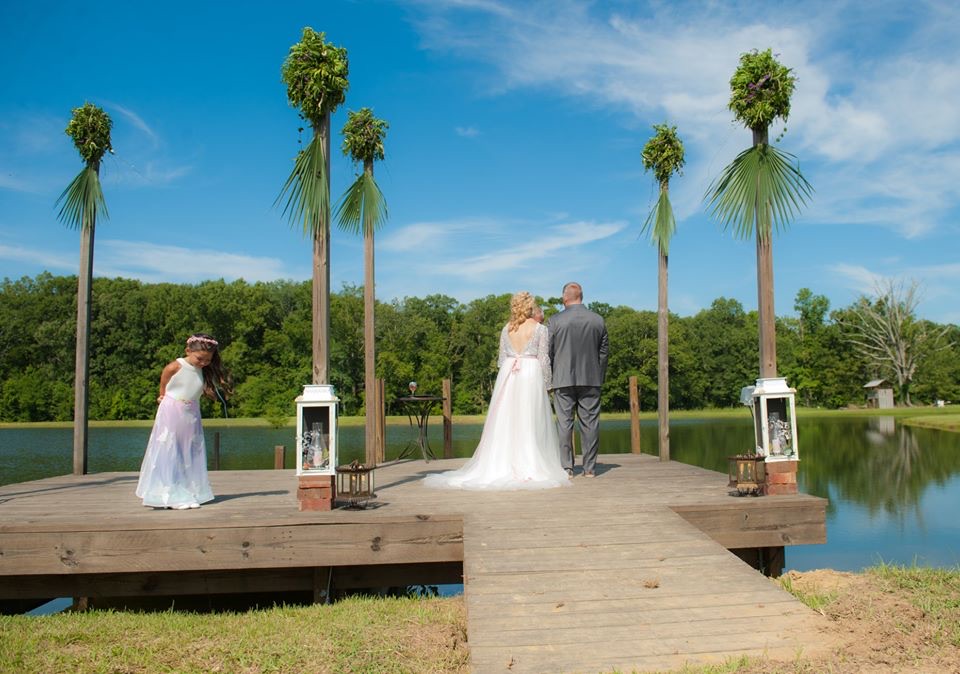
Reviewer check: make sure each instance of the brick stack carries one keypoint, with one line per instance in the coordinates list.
(781, 478)
(316, 492)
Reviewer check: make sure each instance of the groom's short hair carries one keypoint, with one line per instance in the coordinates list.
(572, 291)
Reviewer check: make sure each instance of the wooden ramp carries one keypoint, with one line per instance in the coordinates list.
(628, 571)
(605, 576)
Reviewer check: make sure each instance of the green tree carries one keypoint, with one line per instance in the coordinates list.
(363, 210)
(762, 189)
(663, 154)
(633, 345)
(724, 341)
(315, 73)
(82, 202)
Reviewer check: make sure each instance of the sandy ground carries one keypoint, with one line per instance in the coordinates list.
(880, 630)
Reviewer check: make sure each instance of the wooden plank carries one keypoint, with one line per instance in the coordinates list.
(226, 548)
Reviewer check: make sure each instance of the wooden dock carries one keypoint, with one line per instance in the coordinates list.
(630, 570)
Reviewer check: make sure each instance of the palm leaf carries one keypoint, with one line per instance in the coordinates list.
(307, 191)
(661, 223)
(82, 200)
(362, 208)
(761, 188)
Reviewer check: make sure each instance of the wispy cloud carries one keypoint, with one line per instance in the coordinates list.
(157, 262)
(467, 131)
(136, 120)
(421, 236)
(51, 261)
(857, 118)
(526, 251)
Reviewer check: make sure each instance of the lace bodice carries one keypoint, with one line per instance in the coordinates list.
(538, 347)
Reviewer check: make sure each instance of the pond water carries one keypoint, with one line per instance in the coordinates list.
(894, 490)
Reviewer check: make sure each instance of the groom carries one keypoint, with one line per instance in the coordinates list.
(578, 353)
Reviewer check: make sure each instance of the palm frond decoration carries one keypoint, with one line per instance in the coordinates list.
(362, 208)
(307, 189)
(761, 188)
(83, 201)
(661, 222)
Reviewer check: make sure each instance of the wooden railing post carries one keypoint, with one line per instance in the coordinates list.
(634, 416)
(279, 456)
(447, 420)
(381, 440)
(216, 450)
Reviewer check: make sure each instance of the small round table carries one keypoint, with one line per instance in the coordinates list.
(418, 410)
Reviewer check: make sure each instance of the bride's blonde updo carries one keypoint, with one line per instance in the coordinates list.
(521, 308)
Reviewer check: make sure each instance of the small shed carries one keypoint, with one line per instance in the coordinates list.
(879, 394)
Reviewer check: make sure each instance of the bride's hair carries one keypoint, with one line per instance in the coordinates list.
(521, 308)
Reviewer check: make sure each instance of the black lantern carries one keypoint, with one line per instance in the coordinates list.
(355, 484)
(748, 473)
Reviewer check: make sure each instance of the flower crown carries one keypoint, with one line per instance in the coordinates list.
(205, 343)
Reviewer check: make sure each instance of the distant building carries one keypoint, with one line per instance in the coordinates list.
(879, 394)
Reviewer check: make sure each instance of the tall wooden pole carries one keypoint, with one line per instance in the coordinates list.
(321, 271)
(369, 336)
(663, 359)
(765, 309)
(81, 391)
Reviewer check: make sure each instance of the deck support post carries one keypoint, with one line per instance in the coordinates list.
(322, 579)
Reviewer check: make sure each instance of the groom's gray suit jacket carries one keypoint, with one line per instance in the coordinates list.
(578, 347)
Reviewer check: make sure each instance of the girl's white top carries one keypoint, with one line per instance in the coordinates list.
(186, 383)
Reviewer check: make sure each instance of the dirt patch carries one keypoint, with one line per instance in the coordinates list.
(880, 629)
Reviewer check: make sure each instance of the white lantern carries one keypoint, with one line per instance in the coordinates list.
(773, 406)
(317, 430)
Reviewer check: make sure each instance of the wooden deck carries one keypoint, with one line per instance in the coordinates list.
(629, 570)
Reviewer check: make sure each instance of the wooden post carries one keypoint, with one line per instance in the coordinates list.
(381, 421)
(322, 577)
(216, 450)
(634, 416)
(447, 420)
(279, 456)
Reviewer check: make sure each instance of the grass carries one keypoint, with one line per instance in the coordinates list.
(936, 592)
(382, 635)
(418, 635)
(818, 601)
(943, 422)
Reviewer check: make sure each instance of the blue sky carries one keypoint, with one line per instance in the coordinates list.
(513, 154)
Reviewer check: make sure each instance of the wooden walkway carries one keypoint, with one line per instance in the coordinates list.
(626, 571)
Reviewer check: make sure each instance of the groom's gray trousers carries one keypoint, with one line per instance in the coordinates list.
(584, 401)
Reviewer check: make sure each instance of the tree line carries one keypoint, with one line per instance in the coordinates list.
(265, 334)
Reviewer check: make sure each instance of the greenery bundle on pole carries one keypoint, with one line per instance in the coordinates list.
(82, 201)
(363, 209)
(762, 189)
(663, 154)
(315, 73)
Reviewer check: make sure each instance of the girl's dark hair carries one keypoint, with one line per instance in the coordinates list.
(216, 378)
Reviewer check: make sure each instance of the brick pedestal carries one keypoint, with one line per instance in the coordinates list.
(781, 478)
(316, 492)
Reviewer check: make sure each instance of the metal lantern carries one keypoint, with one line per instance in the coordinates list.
(355, 484)
(748, 473)
(317, 430)
(773, 407)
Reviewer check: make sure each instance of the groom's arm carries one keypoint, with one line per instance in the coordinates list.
(604, 347)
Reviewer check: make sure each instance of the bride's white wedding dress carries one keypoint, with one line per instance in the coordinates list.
(519, 447)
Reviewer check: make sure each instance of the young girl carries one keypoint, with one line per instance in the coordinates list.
(174, 470)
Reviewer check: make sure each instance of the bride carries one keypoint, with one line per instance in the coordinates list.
(519, 448)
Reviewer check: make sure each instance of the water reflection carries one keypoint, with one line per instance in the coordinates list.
(893, 489)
